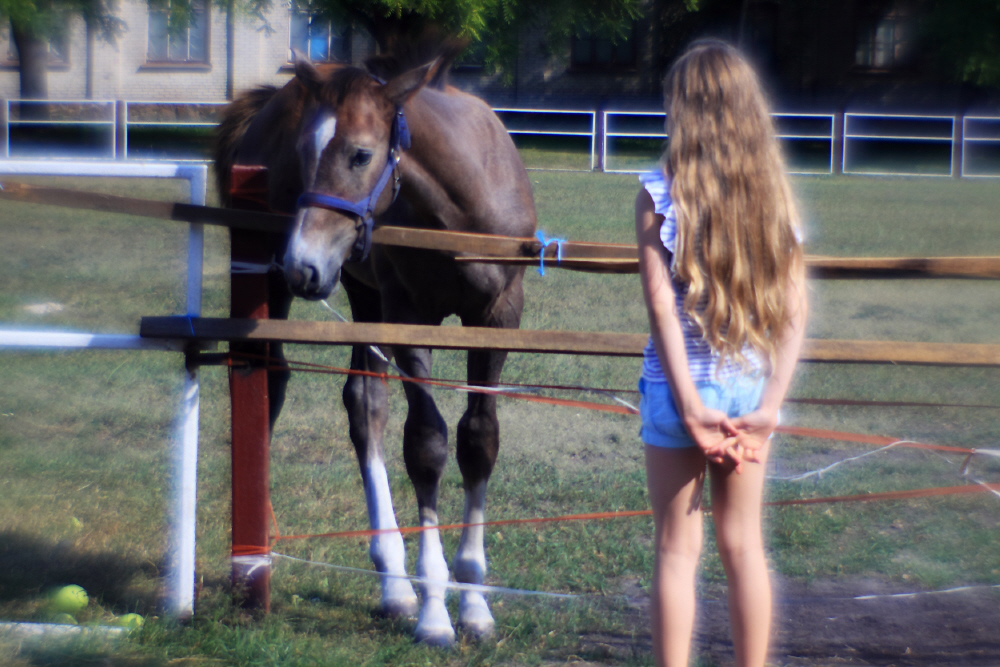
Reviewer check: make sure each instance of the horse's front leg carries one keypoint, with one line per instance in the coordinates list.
(425, 451)
(478, 444)
(366, 400)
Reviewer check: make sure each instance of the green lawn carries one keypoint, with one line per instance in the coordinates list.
(85, 439)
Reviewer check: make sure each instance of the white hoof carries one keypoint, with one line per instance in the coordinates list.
(474, 615)
(398, 599)
(434, 626)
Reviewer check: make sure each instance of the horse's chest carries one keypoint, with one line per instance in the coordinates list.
(437, 285)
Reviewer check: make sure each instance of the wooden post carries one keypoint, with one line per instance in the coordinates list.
(251, 508)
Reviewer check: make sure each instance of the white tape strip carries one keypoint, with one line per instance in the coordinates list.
(820, 471)
(480, 588)
(252, 563)
(253, 267)
(918, 593)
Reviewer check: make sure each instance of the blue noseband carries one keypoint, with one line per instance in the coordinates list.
(364, 209)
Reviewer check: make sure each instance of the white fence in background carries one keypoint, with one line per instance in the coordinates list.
(552, 122)
(111, 125)
(816, 143)
(980, 143)
(180, 587)
(631, 125)
(863, 130)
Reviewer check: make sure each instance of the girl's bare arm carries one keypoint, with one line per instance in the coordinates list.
(760, 423)
(710, 429)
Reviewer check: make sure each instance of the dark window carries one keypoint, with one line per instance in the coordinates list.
(320, 39)
(170, 44)
(600, 49)
(882, 45)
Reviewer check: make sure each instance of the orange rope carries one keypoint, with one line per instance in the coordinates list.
(868, 439)
(595, 516)
(334, 370)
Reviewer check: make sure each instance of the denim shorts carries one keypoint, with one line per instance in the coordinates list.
(663, 427)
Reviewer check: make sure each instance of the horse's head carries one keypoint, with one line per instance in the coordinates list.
(352, 133)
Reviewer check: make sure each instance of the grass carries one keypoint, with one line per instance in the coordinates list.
(85, 441)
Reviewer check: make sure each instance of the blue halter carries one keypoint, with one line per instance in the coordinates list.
(364, 209)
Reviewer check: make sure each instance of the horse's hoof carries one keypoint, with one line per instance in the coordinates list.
(434, 626)
(474, 617)
(405, 608)
(398, 598)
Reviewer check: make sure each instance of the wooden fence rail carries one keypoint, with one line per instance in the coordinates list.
(524, 340)
(580, 256)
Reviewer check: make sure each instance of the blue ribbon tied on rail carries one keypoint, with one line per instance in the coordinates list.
(546, 242)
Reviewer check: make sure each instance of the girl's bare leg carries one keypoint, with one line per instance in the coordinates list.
(736, 512)
(675, 478)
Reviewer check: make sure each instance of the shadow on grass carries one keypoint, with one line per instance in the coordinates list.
(30, 565)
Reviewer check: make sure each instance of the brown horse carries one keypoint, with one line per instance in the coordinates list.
(336, 134)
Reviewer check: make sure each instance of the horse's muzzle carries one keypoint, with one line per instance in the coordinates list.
(308, 280)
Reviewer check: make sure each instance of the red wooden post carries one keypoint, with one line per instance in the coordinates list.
(251, 508)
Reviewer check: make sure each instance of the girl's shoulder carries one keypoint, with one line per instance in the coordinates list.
(658, 187)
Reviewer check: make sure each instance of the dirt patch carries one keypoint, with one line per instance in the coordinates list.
(822, 623)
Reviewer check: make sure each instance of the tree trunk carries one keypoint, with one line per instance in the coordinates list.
(33, 60)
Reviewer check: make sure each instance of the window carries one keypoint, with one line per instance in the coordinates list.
(883, 45)
(599, 50)
(318, 38)
(178, 44)
(58, 49)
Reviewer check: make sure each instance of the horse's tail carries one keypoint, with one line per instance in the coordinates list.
(229, 134)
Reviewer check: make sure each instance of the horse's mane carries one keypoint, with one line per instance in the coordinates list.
(406, 55)
(229, 133)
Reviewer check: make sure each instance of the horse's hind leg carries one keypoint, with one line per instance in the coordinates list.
(478, 439)
(366, 400)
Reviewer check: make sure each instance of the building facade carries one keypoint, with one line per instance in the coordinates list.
(207, 61)
(214, 58)
(824, 55)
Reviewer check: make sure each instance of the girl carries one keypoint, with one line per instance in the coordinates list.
(724, 282)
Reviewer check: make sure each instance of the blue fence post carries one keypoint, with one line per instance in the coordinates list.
(957, 139)
(837, 144)
(121, 130)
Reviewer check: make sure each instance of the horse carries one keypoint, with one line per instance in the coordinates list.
(350, 147)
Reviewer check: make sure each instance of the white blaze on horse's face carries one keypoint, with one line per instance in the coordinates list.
(343, 154)
(313, 270)
(321, 133)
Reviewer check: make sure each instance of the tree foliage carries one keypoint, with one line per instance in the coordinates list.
(34, 24)
(492, 26)
(49, 19)
(964, 38)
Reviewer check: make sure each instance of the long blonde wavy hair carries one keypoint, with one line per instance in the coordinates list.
(736, 217)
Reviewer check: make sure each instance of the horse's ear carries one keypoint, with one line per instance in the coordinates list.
(306, 72)
(401, 88)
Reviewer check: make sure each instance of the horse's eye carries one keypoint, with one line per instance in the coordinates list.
(361, 159)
